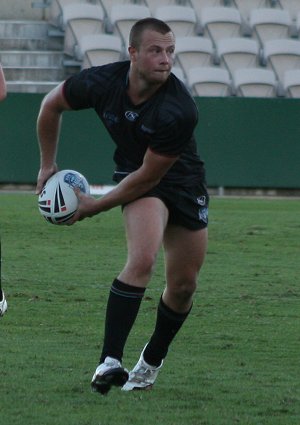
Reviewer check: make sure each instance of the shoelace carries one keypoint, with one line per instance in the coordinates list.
(142, 374)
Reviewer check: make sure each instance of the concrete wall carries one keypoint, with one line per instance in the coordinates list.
(20, 9)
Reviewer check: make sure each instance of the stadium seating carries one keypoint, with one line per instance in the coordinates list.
(122, 18)
(193, 51)
(291, 83)
(55, 13)
(209, 81)
(108, 4)
(254, 82)
(220, 22)
(292, 6)
(98, 49)
(198, 5)
(182, 19)
(297, 25)
(246, 6)
(224, 36)
(281, 55)
(80, 19)
(268, 24)
(237, 52)
(154, 4)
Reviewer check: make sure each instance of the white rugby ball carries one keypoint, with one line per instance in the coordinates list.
(58, 201)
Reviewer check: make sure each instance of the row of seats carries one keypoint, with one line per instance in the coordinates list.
(244, 82)
(215, 21)
(244, 6)
(220, 48)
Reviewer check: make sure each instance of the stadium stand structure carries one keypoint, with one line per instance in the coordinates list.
(48, 40)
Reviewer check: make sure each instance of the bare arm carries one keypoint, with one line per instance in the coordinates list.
(2, 84)
(154, 167)
(48, 131)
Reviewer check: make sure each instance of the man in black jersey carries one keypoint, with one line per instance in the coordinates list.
(151, 118)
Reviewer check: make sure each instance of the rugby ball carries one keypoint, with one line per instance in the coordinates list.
(57, 201)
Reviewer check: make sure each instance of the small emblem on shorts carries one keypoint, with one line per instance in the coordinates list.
(201, 200)
(131, 116)
(203, 215)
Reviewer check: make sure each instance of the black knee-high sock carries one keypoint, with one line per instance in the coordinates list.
(122, 308)
(168, 323)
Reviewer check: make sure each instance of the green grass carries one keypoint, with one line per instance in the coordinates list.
(236, 360)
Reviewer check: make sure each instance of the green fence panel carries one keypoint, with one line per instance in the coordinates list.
(246, 143)
(250, 142)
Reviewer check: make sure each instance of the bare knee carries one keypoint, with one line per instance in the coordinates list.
(138, 270)
(185, 290)
(178, 295)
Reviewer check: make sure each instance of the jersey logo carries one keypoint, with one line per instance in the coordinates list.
(110, 118)
(131, 116)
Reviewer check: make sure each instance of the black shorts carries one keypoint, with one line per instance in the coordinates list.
(188, 207)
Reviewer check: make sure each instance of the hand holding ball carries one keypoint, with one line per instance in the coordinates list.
(58, 201)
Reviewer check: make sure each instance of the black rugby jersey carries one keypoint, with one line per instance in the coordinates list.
(165, 123)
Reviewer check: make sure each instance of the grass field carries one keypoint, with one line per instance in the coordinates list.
(236, 360)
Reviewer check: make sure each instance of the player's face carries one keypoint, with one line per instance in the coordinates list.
(154, 58)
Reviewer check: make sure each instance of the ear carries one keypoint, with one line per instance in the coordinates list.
(132, 53)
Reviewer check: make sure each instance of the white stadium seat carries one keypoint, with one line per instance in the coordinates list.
(193, 51)
(292, 6)
(255, 82)
(246, 6)
(108, 4)
(98, 49)
(220, 22)
(55, 11)
(181, 19)
(198, 5)
(124, 16)
(281, 55)
(80, 19)
(291, 83)
(268, 24)
(209, 81)
(154, 4)
(237, 52)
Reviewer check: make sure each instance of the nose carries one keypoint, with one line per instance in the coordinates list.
(166, 57)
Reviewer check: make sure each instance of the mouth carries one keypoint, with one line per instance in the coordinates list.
(163, 71)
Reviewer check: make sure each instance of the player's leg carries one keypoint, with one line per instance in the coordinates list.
(145, 221)
(184, 254)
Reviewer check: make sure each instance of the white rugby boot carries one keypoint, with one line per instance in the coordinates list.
(109, 373)
(3, 303)
(142, 376)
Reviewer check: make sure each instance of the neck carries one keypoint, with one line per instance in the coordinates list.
(140, 90)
